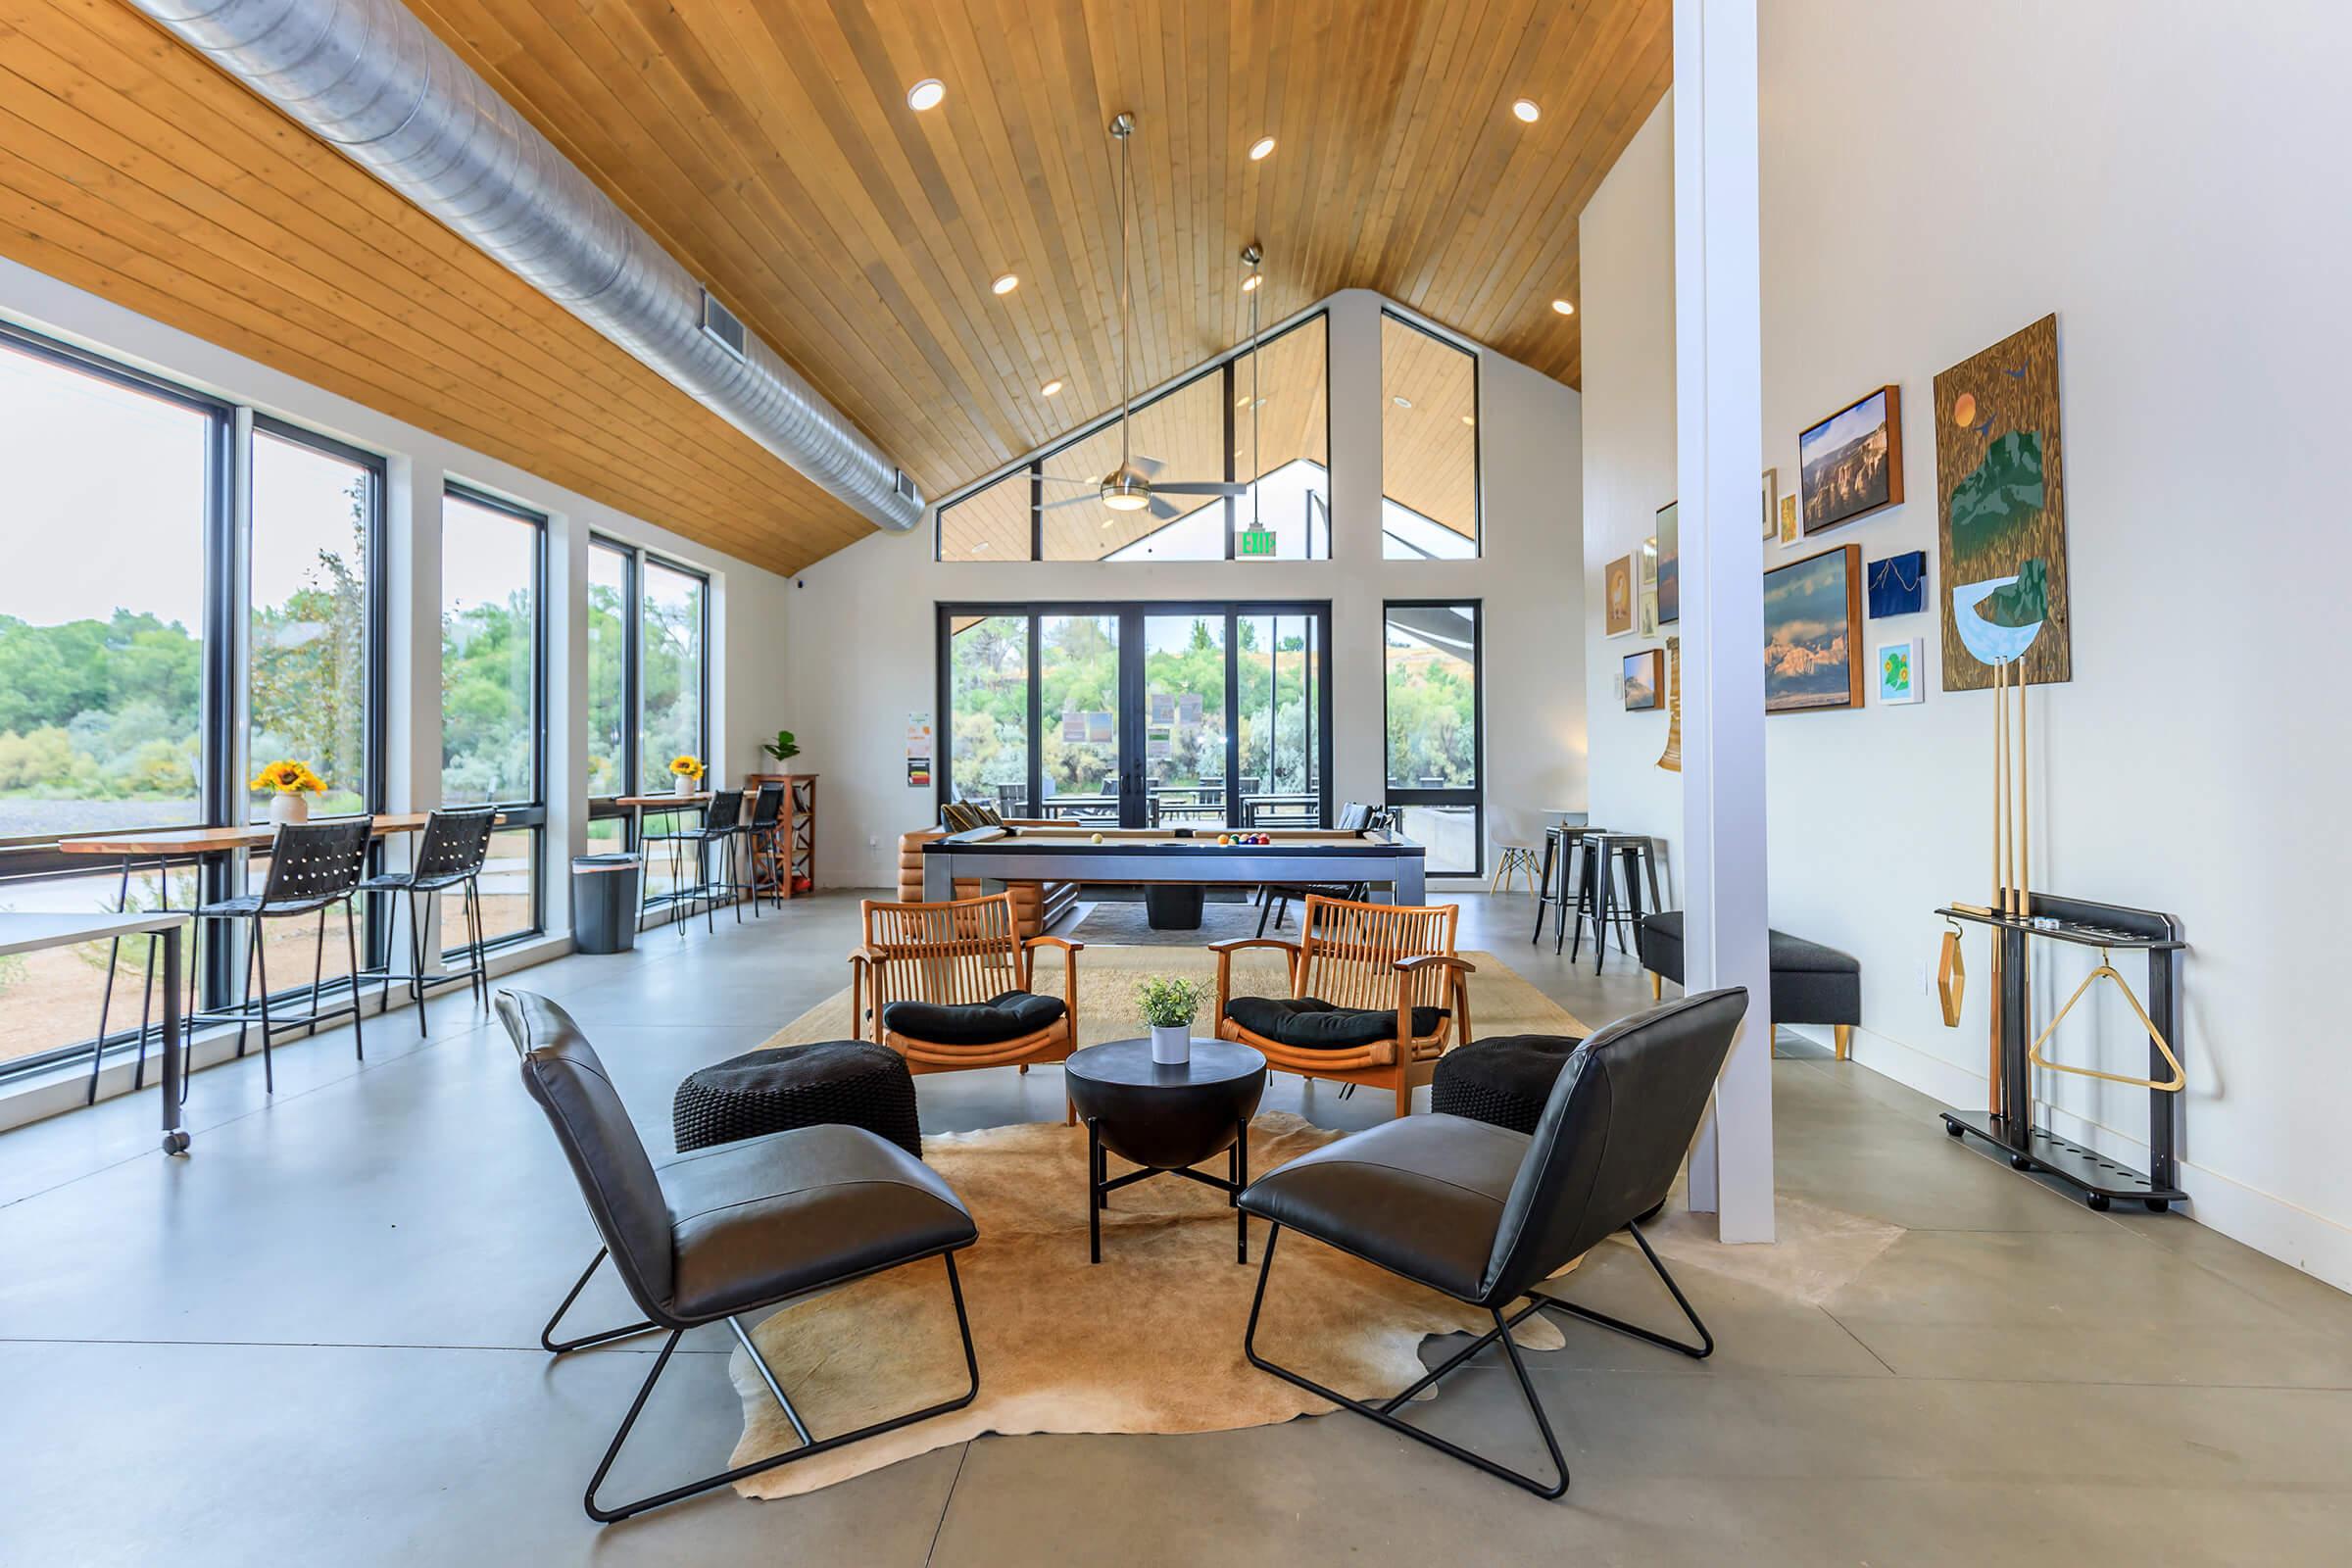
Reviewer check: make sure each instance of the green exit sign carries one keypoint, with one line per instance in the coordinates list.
(1257, 541)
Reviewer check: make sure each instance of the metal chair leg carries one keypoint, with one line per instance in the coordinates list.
(1384, 1413)
(261, 962)
(318, 968)
(1698, 1352)
(555, 1347)
(351, 944)
(807, 1450)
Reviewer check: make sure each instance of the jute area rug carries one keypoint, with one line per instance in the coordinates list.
(1148, 1341)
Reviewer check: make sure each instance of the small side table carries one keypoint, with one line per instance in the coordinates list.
(1166, 1120)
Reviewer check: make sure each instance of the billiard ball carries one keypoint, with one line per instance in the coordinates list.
(1225, 838)
(1098, 838)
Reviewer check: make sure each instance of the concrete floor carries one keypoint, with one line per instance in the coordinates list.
(314, 1340)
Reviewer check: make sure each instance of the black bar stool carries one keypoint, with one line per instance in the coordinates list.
(1553, 879)
(451, 854)
(760, 835)
(720, 821)
(313, 867)
(1606, 858)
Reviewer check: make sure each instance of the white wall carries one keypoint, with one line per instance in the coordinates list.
(2168, 179)
(747, 603)
(863, 625)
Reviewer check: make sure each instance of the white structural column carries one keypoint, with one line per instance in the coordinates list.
(1719, 455)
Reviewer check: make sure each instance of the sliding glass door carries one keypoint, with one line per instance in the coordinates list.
(1434, 740)
(1200, 715)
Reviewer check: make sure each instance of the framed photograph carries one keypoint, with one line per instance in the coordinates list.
(1812, 613)
(1645, 564)
(1617, 597)
(1771, 494)
(1790, 533)
(1851, 463)
(1670, 587)
(1899, 672)
(1644, 680)
(1645, 612)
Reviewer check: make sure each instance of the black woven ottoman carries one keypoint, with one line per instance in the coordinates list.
(1504, 1081)
(837, 1083)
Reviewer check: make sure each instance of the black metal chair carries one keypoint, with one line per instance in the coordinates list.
(448, 855)
(730, 1230)
(1275, 898)
(313, 867)
(1485, 1214)
(762, 832)
(720, 820)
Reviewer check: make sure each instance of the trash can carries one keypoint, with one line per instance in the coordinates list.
(604, 901)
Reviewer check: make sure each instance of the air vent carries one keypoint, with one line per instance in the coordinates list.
(904, 485)
(720, 323)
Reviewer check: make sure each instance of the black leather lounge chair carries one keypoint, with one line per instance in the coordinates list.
(729, 1230)
(1484, 1213)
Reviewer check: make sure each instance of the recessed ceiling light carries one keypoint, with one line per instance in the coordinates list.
(1050, 388)
(1468, 419)
(1260, 147)
(1401, 401)
(1526, 110)
(1252, 281)
(982, 545)
(1561, 306)
(1011, 281)
(926, 94)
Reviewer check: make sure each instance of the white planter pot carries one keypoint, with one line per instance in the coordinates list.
(289, 806)
(680, 784)
(1172, 1043)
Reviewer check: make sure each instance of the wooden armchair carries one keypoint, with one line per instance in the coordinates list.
(1377, 994)
(949, 986)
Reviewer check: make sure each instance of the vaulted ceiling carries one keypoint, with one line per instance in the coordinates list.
(769, 145)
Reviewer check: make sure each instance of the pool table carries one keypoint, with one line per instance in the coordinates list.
(1069, 852)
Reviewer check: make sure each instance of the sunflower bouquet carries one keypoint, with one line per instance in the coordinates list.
(289, 778)
(686, 773)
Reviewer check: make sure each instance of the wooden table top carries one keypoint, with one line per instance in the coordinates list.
(212, 840)
(654, 802)
(29, 933)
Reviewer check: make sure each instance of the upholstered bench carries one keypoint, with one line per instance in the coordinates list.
(846, 1083)
(1810, 983)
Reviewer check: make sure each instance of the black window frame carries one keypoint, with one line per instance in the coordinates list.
(1476, 796)
(634, 558)
(1477, 451)
(530, 814)
(1223, 368)
(1130, 613)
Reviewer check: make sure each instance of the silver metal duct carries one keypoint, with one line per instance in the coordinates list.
(374, 81)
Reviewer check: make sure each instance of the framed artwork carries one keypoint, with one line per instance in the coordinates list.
(1851, 463)
(1772, 507)
(1788, 529)
(1900, 679)
(1812, 613)
(1898, 585)
(1645, 681)
(1645, 612)
(1645, 564)
(1670, 587)
(1617, 596)
(2000, 512)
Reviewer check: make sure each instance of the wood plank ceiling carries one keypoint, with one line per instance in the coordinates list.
(769, 145)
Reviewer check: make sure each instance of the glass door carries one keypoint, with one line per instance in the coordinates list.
(1278, 680)
(1434, 740)
(1187, 762)
(1080, 773)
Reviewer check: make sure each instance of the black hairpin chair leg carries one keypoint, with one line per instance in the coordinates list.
(810, 1446)
(1698, 1352)
(1384, 1412)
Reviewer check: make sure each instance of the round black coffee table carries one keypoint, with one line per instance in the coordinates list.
(1166, 1120)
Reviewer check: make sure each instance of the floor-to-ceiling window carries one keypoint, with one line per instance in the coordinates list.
(611, 570)
(493, 695)
(1148, 714)
(671, 674)
(649, 682)
(117, 496)
(1433, 742)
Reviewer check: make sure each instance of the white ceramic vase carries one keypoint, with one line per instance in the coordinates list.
(680, 784)
(289, 806)
(1171, 1044)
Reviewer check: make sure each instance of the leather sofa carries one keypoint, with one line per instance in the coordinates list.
(1035, 904)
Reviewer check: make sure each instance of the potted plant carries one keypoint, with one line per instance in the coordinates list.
(294, 783)
(1169, 1004)
(685, 774)
(783, 748)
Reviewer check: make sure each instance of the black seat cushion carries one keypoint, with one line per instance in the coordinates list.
(973, 1023)
(851, 1083)
(1312, 1024)
(1504, 1081)
(756, 1221)
(1810, 983)
(1422, 1195)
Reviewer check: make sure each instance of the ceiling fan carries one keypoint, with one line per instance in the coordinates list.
(1130, 487)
